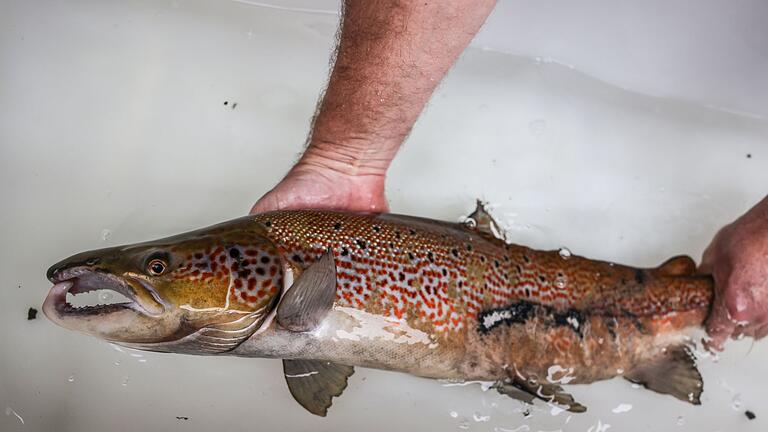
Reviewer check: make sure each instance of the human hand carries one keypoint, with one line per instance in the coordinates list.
(319, 187)
(737, 258)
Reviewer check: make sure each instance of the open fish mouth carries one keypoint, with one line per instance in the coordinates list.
(82, 292)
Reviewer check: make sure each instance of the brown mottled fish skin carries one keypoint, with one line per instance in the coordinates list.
(482, 309)
(434, 299)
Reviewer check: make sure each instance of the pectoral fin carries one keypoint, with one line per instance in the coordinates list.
(673, 373)
(527, 391)
(484, 223)
(314, 383)
(311, 296)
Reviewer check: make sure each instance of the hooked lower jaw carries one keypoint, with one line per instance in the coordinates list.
(82, 280)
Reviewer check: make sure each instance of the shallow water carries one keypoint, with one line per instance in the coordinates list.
(114, 129)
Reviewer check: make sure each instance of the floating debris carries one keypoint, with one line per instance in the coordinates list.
(750, 415)
(32, 313)
(182, 418)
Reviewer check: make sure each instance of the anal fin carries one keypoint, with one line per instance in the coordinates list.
(314, 383)
(673, 372)
(527, 391)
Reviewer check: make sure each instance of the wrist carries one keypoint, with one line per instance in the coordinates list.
(355, 158)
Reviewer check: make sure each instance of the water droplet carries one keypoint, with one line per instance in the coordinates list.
(464, 424)
(106, 296)
(125, 382)
(622, 408)
(565, 253)
(454, 414)
(105, 234)
(117, 362)
(561, 282)
(680, 421)
(480, 418)
(71, 378)
(736, 402)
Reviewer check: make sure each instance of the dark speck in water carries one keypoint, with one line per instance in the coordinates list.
(749, 156)
(750, 415)
(182, 418)
(226, 103)
(31, 313)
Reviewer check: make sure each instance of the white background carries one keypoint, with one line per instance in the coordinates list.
(113, 129)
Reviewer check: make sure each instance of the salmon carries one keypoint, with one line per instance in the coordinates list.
(328, 291)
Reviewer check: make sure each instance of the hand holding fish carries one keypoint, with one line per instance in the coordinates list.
(738, 261)
(317, 186)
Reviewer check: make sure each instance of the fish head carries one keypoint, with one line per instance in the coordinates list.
(201, 292)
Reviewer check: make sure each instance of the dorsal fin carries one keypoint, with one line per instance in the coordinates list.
(681, 265)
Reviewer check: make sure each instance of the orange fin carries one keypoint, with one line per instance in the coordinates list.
(681, 265)
(673, 372)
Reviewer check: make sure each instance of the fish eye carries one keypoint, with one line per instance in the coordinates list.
(156, 267)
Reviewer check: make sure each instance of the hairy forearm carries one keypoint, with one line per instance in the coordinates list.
(391, 56)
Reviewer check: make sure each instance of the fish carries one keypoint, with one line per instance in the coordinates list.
(327, 291)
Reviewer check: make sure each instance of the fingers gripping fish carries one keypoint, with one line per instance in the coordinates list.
(327, 291)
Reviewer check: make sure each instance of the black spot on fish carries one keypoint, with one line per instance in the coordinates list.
(445, 272)
(297, 258)
(410, 256)
(31, 313)
(522, 311)
(610, 324)
(243, 274)
(461, 284)
(469, 248)
(268, 224)
(337, 226)
(260, 271)
(234, 253)
(265, 260)
(506, 258)
(198, 256)
(518, 268)
(516, 313)
(639, 276)
(571, 318)
(412, 232)
(401, 276)
(527, 292)
(430, 256)
(496, 263)
(526, 259)
(482, 258)
(391, 245)
(542, 279)
(344, 251)
(376, 228)
(361, 243)
(428, 289)
(455, 252)
(397, 235)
